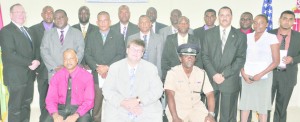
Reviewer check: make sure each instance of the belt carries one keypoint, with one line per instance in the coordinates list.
(280, 69)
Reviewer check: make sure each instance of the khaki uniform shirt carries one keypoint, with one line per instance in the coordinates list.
(187, 90)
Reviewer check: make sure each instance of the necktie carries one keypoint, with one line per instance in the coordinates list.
(131, 89)
(282, 45)
(83, 31)
(131, 80)
(223, 39)
(26, 34)
(103, 38)
(61, 38)
(68, 97)
(124, 32)
(145, 56)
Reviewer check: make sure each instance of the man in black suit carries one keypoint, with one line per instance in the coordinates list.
(84, 24)
(170, 57)
(85, 27)
(246, 22)
(223, 55)
(285, 78)
(209, 18)
(152, 14)
(124, 26)
(42, 73)
(103, 47)
(19, 62)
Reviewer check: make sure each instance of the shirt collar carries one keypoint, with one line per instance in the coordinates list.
(47, 26)
(85, 26)
(19, 26)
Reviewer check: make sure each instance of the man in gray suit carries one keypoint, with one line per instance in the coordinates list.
(20, 59)
(85, 27)
(153, 42)
(133, 88)
(223, 59)
(57, 40)
(209, 18)
(152, 14)
(124, 26)
(103, 47)
(284, 79)
(42, 73)
(170, 57)
(172, 29)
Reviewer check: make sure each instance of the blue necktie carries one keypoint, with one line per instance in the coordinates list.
(131, 90)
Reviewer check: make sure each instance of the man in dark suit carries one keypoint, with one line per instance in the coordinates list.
(246, 22)
(153, 42)
(172, 29)
(19, 62)
(285, 78)
(170, 56)
(223, 59)
(124, 26)
(209, 18)
(103, 47)
(156, 26)
(84, 26)
(42, 73)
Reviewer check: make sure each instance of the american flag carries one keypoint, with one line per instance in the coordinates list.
(268, 11)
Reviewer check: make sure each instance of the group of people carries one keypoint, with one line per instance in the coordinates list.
(148, 70)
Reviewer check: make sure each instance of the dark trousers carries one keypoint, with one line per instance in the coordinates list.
(97, 110)
(66, 111)
(21, 97)
(228, 106)
(283, 94)
(42, 88)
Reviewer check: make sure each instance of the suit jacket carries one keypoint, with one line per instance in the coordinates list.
(131, 29)
(229, 63)
(170, 57)
(199, 33)
(148, 86)
(17, 55)
(159, 26)
(103, 54)
(52, 50)
(91, 27)
(154, 48)
(165, 32)
(294, 52)
(37, 34)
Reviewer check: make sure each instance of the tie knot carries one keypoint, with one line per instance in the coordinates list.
(62, 31)
(224, 31)
(283, 36)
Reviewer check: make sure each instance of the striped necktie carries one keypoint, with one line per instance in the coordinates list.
(61, 38)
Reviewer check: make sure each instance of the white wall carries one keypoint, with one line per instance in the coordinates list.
(193, 9)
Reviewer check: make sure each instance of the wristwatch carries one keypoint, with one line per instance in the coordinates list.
(212, 114)
(138, 99)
